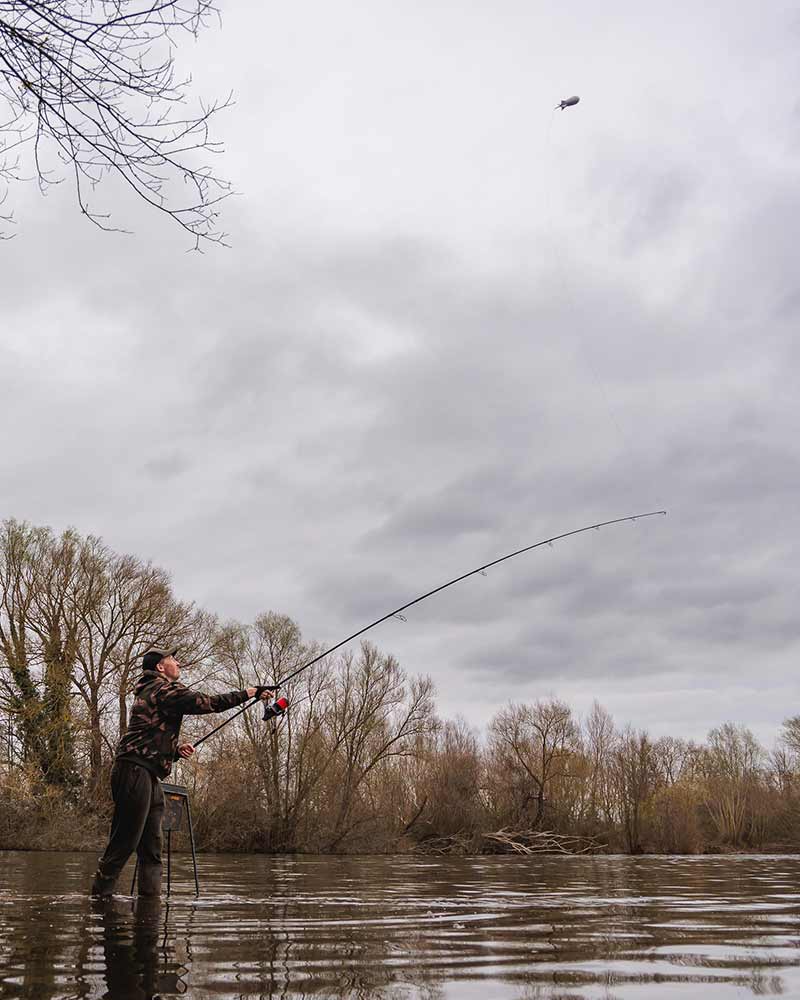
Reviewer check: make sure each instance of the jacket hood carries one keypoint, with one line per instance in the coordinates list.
(148, 679)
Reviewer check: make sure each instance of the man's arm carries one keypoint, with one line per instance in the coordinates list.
(177, 699)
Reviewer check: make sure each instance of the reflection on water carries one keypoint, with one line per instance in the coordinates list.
(547, 928)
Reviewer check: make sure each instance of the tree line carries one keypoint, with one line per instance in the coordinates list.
(361, 762)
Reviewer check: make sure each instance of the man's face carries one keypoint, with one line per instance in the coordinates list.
(170, 668)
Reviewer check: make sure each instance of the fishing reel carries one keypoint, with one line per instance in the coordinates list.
(275, 708)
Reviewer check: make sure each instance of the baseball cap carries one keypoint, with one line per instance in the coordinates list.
(153, 657)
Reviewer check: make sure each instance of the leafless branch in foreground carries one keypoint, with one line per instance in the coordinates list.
(88, 87)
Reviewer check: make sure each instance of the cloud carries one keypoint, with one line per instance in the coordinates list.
(449, 327)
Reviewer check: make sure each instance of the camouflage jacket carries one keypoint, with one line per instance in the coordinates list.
(155, 720)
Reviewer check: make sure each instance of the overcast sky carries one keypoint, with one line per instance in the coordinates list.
(453, 322)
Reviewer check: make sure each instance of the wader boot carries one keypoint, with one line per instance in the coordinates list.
(149, 880)
(103, 886)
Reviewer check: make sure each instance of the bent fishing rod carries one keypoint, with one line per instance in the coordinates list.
(279, 706)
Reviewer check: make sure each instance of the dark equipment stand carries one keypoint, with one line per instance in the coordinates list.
(176, 804)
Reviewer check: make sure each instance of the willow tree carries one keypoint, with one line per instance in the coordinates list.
(89, 88)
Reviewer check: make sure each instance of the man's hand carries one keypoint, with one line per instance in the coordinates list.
(262, 692)
(186, 750)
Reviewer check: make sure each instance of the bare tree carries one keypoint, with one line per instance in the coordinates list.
(675, 759)
(89, 86)
(376, 716)
(288, 759)
(732, 764)
(533, 746)
(119, 608)
(74, 620)
(601, 739)
(634, 772)
(790, 736)
(330, 766)
(452, 784)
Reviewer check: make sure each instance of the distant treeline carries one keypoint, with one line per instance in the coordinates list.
(361, 762)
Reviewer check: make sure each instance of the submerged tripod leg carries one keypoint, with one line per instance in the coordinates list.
(194, 852)
(169, 858)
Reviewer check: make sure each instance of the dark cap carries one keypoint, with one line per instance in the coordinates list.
(153, 657)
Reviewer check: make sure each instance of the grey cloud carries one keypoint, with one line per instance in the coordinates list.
(706, 595)
(754, 630)
(167, 467)
(666, 191)
(449, 512)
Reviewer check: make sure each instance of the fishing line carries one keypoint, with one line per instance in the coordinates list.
(637, 473)
(403, 607)
(582, 335)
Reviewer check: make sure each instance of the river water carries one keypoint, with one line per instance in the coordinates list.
(397, 928)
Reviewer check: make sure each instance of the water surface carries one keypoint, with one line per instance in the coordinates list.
(399, 928)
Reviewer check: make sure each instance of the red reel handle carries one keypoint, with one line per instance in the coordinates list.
(275, 708)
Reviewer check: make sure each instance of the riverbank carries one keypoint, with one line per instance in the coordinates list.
(50, 820)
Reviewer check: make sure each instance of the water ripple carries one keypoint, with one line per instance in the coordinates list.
(547, 928)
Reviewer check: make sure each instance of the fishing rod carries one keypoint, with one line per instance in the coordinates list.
(279, 706)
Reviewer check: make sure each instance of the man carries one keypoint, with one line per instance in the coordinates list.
(145, 754)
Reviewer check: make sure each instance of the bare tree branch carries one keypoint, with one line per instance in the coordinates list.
(91, 85)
